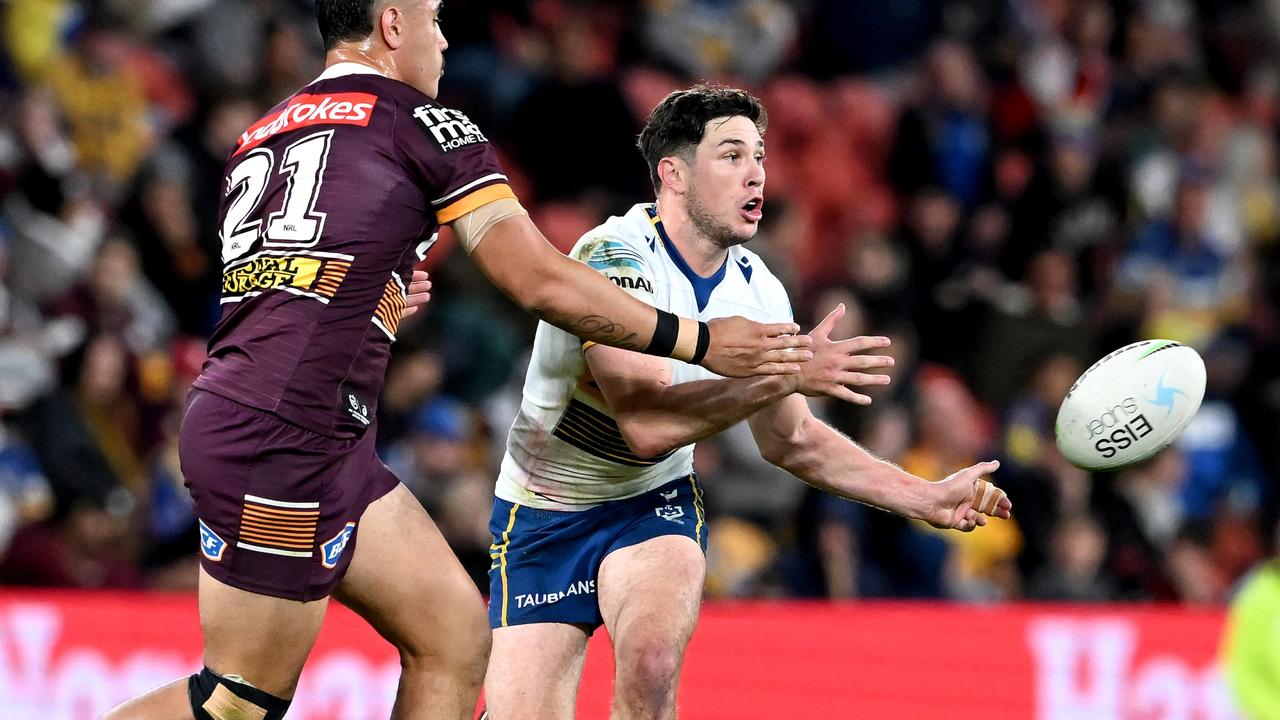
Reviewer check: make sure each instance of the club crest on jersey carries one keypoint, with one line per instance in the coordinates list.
(449, 128)
(332, 549)
(211, 546)
(673, 513)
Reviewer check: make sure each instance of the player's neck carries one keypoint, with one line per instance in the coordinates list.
(703, 255)
(359, 54)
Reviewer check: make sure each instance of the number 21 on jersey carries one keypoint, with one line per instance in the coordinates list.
(296, 223)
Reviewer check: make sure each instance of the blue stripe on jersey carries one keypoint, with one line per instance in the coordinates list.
(702, 286)
(594, 432)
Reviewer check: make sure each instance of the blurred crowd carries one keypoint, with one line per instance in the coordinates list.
(1008, 190)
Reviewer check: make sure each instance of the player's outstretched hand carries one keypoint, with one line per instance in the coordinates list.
(965, 500)
(743, 348)
(419, 293)
(839, 365)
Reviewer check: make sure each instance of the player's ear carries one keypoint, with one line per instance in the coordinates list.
(672, 171)
(391, 25)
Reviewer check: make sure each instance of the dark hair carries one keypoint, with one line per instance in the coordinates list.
(344, 20)
(678, 123)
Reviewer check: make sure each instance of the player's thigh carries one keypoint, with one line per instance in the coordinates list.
(263, 639)
(650, 594)
(534, 671)
(405, 580)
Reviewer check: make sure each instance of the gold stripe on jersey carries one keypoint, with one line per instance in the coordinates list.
(594, 432)
(331, 277)
(474, 200)
(391, 307)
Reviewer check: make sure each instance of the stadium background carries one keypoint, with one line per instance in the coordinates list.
(1008, 189)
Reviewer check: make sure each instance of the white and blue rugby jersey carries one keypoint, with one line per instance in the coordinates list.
(564, 451)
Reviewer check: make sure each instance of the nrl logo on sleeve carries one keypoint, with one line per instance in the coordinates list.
(332, 549)
(449, 128)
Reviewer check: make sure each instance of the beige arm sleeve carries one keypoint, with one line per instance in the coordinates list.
(472, 227)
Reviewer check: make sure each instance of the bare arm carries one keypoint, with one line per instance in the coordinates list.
(791, 437)
(573, 297)
(655, 416)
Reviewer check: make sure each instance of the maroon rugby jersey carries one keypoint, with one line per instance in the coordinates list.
(329, 200)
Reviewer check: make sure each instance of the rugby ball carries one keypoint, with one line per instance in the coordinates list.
(1130, 405)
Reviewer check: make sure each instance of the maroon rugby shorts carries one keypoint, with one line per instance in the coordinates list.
(279, 506)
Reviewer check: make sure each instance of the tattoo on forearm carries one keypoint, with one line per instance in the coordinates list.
(603, 330)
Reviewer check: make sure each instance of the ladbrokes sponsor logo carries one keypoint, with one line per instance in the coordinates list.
(307, 110)
(315, 276)
(449, 128)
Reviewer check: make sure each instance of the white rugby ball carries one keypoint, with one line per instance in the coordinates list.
(1130, 405)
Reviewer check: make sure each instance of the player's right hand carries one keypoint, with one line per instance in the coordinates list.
(964, 499)
(743, 348)
(839, 365)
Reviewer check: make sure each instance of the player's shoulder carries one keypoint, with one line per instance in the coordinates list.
(622, 234)
(754, 271)
(443, 127)
(329, 100)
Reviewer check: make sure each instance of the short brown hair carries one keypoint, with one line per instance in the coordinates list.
(678, 123)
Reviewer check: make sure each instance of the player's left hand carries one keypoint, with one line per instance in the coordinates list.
(839, 366)
(743, 348)
(419, 293)
(964, 499)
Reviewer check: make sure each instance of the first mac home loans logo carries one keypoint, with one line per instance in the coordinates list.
(449, 128)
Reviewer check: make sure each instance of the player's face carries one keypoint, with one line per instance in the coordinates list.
(726, 184)
(424, 46)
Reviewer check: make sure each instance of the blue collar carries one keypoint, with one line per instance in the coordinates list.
(702, 286)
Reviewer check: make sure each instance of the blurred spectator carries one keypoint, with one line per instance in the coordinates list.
(1223, 471)
(943, 139)
(1038, 317)
(721, 38)
(864, 36)
(25, 496)
(117, 298)
(1180, 268)
(1141, 509)
(87, 546)
(1045, 487)
(103, 93)
(863, 552)
(168, 238)
(56, 224)
(437, 461)
(738, 555)
(952, 433)
(1067, 205)
(582, 103)
(1075, 571)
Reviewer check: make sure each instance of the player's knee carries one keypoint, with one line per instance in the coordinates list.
(217, 697)
(465, 651)
(650, 664)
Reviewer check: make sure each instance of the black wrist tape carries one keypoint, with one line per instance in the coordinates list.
(704, 343)
(664, 335)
